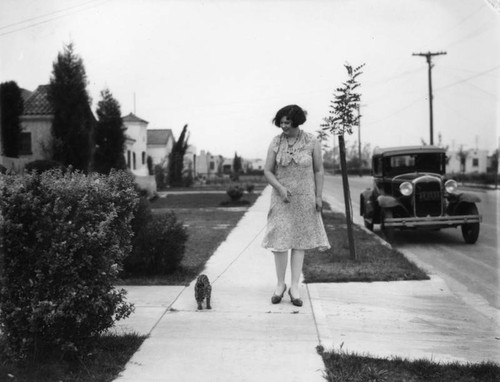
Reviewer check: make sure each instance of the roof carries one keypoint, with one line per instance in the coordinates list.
(131, 117)
(159, 137)
(38, 102)
(400, 150)
(25, 93)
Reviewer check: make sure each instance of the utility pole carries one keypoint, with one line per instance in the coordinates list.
(429, 56)
(359, 142)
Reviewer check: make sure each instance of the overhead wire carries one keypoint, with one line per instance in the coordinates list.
(45, 15)
(468, 78)
(98, 3)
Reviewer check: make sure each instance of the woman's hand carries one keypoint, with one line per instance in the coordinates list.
(285, 194)
(319, 203)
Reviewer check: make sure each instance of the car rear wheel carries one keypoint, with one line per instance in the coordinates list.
(368, 224)
(388, 231)
(470, 231)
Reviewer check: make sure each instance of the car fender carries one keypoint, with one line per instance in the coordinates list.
(468, 197)
(386, 201)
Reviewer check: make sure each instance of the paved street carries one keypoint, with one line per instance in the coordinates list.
(471, 271)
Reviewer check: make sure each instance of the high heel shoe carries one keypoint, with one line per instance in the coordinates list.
(276, 299)
(295, 301)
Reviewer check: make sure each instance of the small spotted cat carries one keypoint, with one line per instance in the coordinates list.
(203, 290)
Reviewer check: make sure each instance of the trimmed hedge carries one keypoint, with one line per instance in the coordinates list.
(42, 165)
(159, 244)
(65, 237)
(235, 193)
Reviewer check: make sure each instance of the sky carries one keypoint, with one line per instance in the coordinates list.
(225, 67)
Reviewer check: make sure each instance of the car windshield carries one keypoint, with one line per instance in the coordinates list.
(400, 164)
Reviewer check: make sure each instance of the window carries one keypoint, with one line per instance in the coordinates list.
(25, 144)
(128, 158)
(212, 166)
(133, 161)
(143, 157)
(475, 162)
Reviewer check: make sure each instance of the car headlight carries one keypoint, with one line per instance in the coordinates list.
(406, 188)
(451, 186)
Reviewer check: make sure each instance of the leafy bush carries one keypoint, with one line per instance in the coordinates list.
(235, 193)
(250, 187)
(158, 247)
(42, 165)
(3, 169)
(65, 237)
(160, 177)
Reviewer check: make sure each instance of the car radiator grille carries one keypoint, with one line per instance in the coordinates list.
(428, 198)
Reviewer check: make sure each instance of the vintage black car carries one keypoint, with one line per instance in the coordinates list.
(410, 191)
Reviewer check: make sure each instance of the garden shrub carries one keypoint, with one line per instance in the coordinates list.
(42, 165)
(250, 187)
(160, 177)
(235, 193)
(159, 246)
(65, 237)
(3, 169)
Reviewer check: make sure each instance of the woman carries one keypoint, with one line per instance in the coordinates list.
(294, 168)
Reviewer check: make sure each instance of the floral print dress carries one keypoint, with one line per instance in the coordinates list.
(295, 225)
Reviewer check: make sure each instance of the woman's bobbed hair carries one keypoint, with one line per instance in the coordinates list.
(293, 112)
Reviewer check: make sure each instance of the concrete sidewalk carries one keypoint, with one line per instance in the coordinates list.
(246, 338)
(243, 338)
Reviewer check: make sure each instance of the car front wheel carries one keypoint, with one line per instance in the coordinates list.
(368, 224)
(388, 231)
(470, 231)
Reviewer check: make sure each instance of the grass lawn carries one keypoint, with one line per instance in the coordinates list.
(209, 218)
(376, 262)
(102, 363)
(344, 367)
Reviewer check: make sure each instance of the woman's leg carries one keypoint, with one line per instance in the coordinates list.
(281, 261)
(296, 262)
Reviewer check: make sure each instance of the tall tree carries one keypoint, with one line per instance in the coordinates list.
(11, 107)
(73, 120)
(109, 135)
(176, 162)
(237, 165)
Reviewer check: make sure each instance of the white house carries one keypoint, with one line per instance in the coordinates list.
(36, 125)
(136, 144)
(208, 165)
(476, 161)
(159, 145)
(254, 164)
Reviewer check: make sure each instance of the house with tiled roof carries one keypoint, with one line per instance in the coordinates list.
(36, 124)
(159, 145)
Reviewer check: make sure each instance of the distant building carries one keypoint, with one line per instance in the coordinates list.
(36, 125)
(227, 165)
(136, 144)
(476, 161)
(159, 146)
(254, 164)
(190, 161)
(208, 165)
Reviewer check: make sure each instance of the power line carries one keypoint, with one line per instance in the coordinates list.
(52, 18)
(469, 78)
(45, 15)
